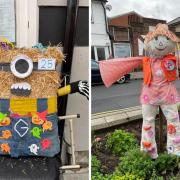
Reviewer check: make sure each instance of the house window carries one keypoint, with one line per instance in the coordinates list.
(122, 50)
(101, 52)
(7, 20)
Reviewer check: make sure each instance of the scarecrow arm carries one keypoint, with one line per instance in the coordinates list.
(112, 70)
(79, 86)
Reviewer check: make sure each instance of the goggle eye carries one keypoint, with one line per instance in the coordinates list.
(21, 66)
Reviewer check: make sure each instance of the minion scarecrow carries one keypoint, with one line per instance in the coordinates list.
(160, 67)
(29, 86)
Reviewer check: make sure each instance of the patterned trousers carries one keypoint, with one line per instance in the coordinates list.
(148, 142)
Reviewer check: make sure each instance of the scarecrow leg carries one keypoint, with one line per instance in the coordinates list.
(173, 128)
(148, 142)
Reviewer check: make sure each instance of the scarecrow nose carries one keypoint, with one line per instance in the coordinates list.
(160, 43)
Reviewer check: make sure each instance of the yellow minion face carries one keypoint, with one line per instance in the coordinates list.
(29, 72)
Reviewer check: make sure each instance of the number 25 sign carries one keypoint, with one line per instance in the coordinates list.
(46, 64)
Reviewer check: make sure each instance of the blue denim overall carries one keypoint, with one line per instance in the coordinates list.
(25, 141)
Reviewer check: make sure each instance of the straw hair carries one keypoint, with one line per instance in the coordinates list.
(33, 53)
(161, 29)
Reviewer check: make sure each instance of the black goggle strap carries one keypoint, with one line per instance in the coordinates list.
(6, 66)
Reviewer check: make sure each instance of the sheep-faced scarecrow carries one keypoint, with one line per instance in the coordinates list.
(29, 85)
(160, 68)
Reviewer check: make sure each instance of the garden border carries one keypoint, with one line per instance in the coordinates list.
(112, 118)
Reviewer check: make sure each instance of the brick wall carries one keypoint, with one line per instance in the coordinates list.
(119, 21)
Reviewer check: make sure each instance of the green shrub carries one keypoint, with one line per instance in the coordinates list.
(127, 176)
(154, 176)
(95, 170)
(99, 176)
(175, 178)
(120, 142)
(137, 163)
(95, 165)
(167, 164)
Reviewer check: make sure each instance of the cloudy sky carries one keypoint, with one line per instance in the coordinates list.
(160, 9)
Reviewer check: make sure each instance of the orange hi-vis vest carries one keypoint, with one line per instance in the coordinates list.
(168, 65)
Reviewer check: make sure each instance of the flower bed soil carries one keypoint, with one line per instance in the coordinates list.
(108, 160)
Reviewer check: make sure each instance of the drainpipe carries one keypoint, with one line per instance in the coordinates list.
(107, 29)
(70, 33)
(69, 41)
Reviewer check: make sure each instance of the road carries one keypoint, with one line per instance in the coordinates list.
(118, 96)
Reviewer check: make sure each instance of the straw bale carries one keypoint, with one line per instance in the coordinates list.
(33, 53)
(44, 84)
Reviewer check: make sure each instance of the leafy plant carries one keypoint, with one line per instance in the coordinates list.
(154, 176)
(99, 176)
(175, 178)
(127, 176)
(120, 142)
(167, 164)
(134, 164)
(95, 165)
(95, 169)
(137, 163)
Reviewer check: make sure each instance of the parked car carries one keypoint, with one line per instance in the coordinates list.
(96, 76)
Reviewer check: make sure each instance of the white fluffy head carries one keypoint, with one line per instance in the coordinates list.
(160, 45)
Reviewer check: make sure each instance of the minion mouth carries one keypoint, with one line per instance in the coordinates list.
(21, 89)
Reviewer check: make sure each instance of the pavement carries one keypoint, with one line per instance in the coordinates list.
(116, 117)
(118, 96)
(117, 105)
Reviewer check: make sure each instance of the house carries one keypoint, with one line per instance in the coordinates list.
(175, 25)
(100, 40)
(127, 31)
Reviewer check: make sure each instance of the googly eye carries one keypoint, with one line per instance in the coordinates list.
(167, 38)
(156, 38)
(21, 66)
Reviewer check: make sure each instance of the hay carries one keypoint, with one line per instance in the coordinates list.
(44, 84)
(33, 53)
